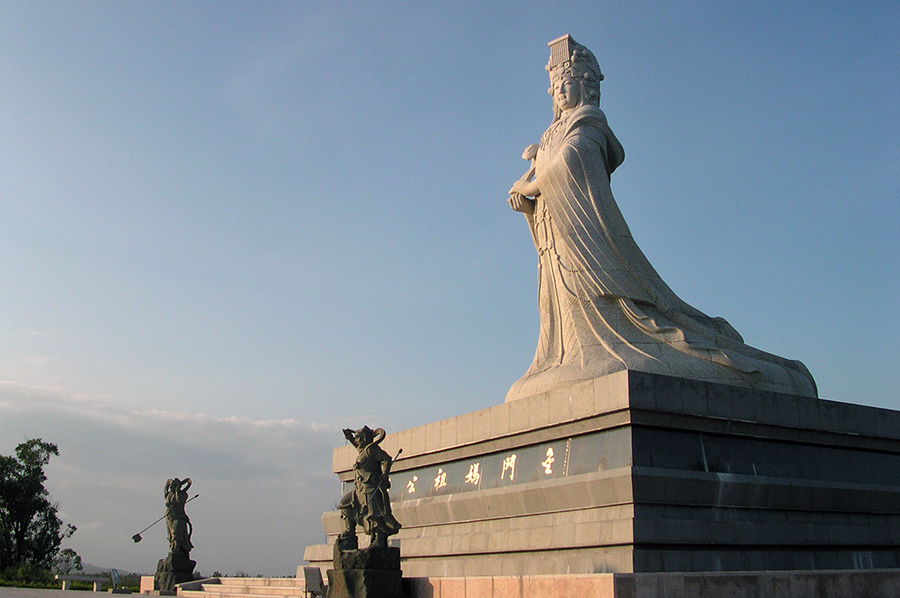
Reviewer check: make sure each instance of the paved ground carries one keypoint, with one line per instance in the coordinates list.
(31, 593)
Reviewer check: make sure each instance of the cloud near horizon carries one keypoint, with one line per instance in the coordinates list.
(263, 484)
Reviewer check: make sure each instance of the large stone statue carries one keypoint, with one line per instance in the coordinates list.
(178, 524)
(603, 308)
(368, 504)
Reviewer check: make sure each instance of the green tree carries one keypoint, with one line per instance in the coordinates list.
(67, 560)
(30, 529)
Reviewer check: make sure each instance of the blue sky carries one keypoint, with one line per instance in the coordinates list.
(228, 230)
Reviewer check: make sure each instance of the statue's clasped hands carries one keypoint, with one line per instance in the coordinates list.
(525, 187)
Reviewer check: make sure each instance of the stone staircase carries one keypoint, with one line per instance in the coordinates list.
(247, 587)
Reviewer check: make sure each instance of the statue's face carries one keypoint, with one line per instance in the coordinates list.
(359, 438)
(567, 94)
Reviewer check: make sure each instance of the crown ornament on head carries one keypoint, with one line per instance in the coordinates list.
(569, 59)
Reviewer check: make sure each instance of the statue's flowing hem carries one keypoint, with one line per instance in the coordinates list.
(628, 336)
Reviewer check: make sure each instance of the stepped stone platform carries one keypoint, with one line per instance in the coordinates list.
(785, 584)
(642, 473)
(771, 584)
(244, 587)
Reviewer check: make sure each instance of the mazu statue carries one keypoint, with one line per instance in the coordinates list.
(603, 307)
(368, 503)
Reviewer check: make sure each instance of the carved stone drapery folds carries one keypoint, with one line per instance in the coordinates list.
(603, 307)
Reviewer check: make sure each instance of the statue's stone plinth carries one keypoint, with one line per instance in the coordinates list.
(639, 472)
(174, 569)
(372, 572)
(387, 559)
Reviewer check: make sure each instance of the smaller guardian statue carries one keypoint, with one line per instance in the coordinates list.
(368, 504)
(178, 524)
(177, 567)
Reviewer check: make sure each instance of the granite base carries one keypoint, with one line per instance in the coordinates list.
(640, 473)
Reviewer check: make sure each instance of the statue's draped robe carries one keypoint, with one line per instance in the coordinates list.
(603, 307)
(178, 524)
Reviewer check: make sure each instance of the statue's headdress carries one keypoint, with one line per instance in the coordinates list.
(364, 436)
(568, 59)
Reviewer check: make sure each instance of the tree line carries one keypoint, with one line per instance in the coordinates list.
(31, 531)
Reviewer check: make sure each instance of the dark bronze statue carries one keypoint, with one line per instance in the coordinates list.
(177, 567)
(368, 504)
(178, 524)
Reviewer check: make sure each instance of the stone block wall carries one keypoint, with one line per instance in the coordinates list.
(638, 473)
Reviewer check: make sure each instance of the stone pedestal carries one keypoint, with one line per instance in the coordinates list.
(373, 572)
(638, 472)
(174, 569)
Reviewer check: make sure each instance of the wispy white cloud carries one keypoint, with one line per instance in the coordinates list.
(263, 483)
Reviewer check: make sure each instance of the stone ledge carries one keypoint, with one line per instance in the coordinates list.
(707, 467)
(635, 392)
(875, 583)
